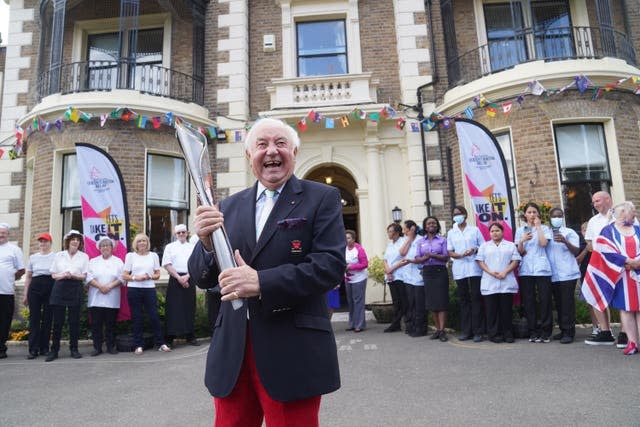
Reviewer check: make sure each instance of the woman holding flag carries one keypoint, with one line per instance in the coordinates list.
(613, 272)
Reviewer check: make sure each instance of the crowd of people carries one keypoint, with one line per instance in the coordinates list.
(54, 291)
(539, 270)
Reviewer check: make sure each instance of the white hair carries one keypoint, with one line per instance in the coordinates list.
(253, 133)
(5, 226)
(623, 208)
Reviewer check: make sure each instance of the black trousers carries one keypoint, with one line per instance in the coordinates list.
(7, 303)
(40, 317)
(564, 298)
(74, 326)
(471, 313)
(499, 315)
(103, 318)
(399, 298)
(418, 312)
(536, 298)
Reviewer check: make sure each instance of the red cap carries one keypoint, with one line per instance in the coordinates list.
(45, 236)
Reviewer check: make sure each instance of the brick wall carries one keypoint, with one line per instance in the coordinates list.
(378, 45)
(265, 17)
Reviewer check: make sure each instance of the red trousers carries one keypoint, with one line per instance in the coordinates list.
(249, 402)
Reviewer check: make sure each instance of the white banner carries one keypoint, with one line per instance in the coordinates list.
(104, 206)
(485, 174)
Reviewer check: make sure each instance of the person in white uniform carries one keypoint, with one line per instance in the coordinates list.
(180, 308)
(11, 269)
(104, 279)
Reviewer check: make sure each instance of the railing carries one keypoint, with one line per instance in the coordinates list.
(150, 79)
(330, 90)
(533, 45)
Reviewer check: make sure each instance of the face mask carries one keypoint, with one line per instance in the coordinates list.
(627, 223)
(556, 222)
(458, 219)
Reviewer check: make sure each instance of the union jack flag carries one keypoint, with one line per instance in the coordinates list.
(606, 270)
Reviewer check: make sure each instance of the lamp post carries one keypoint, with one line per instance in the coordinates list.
(396, 214)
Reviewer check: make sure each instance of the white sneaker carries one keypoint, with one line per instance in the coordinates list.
(138, 351)
(164, 348)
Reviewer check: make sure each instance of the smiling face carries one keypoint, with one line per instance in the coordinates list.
(272, 155)
(74, 244)
(181, 236)
(142, 246)
(431, 226)
(106, 249)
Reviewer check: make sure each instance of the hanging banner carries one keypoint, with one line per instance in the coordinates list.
(486, 177)
(104, 207)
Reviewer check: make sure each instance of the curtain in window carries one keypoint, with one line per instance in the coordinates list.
(582, 152)
(167, 182)
(505, 34)
(552, 29)
(70, 184)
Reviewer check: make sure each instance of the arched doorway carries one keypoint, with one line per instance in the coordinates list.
(340, 178)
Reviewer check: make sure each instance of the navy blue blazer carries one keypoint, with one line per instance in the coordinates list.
(299, 258)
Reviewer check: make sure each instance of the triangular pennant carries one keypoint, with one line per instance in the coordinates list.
(468, 112)
(506, 107)
(400, 123)
(103, 119)
(302, 125)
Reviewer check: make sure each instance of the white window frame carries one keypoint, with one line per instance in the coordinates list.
(294, 11)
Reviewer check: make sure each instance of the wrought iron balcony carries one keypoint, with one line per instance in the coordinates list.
(529, 44)
(151, 79)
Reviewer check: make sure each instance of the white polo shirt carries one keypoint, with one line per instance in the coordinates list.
(10, 261)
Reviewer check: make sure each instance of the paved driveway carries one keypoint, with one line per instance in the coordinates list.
(388, 380)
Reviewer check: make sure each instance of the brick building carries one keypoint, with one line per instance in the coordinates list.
(228, 62)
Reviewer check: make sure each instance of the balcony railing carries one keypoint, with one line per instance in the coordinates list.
(334, 90)
(533, 45)
(150, 79)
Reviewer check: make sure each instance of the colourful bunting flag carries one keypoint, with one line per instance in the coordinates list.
(169, 118)
(468, 112)
(414, 127)
(491, 110)
(329, 123)
(374, 117)
(47, 126)
(1, 153)
(506, 107)
(428, 124)
(302, 125)
(141, 121)
(211, 130)
(582, 83)
(103, 120)
(13, 154)
(400, 123)
(116, 114)
(344, 121)
(536, 88)
(36, 124)
(58, 124)
(85, 117)
(126, 116)
(156, 121)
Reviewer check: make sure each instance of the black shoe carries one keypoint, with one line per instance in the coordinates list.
(477, 338)
(76, 354)
(623, 340)
(497, 339)
(3, 354)
(602, 338)
(194, 342)
(417, 334)
(435, 335)
(443, 336)
(349, 329)
(464, 337)
(51, 356)
(558, 336)
(32, 355)
(392, 329)
(94, 353)
(566, 339)
(508, 338)
(112, 350)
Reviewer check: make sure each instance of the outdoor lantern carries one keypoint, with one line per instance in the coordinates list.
(396, 214)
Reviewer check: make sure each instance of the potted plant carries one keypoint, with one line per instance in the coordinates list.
(382, 310)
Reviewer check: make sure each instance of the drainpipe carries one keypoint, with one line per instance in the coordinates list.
(434, 80)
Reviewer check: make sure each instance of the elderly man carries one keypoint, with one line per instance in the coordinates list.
(276, 355)
(11, 269)
(602, 203)
(180, 309)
